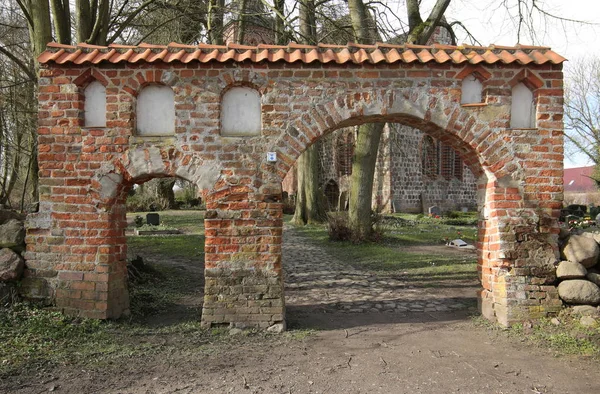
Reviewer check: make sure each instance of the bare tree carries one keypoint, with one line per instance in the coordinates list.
(582, 110)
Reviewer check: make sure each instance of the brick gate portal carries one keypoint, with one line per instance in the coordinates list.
(112, 117)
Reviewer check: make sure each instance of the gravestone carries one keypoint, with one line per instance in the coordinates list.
(153, 219)
(435, 211)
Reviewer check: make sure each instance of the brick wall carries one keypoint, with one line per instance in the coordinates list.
(76, 247)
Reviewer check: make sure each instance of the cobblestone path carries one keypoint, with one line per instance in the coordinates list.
(314, 279)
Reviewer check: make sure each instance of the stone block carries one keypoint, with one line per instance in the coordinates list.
(11, 265)
(578, 291)
(582, 250)
(570, 270)
(12, 234)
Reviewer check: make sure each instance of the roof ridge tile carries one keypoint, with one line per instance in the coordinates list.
(293, 52)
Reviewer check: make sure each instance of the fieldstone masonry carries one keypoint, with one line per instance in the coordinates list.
(76, 247)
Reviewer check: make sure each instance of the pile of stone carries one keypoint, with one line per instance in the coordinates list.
(579, 272)
(12, 245)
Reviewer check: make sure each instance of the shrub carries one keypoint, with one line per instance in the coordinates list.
(452, 215)
(139, 221)
(289, 206)
(461, 221)
(338, 226)
(144, 203)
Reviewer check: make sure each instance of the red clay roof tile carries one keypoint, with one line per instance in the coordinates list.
(458, 57)
(324, 53)
(441, 56)
(490, 57)
(87, 57)
(408, 56)
(522, 57)
(425, 56)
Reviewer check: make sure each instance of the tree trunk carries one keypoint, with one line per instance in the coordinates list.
(308, 28)
(61, 16)
(40, 28)
(361, 184)
(367, 143)
(164, 190)
(300, 216)
(309, 201)
(241, 22)
(34, 177)
(215, 21)
(84, 20)
(364, 29)
(419, 31)
(279, 22)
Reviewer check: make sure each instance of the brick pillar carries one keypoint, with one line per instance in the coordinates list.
(243, 276)
(518, 251)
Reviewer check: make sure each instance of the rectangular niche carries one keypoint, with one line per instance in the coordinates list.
(95, 105)
(522, 110)
(156, 111)
(240, 113)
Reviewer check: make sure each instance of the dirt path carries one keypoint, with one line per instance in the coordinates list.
(437, 352)
(394, 338)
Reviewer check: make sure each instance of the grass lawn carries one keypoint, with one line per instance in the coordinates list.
(406, 249)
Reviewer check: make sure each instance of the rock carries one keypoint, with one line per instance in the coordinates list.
(588, 321)
(582, 250)
(555, 321)
(277, 328)
(585, 310)
(593, 277)
(570, 270)
(236, 331)
(595, 236)
(12, 234)
(11, 265)
(579, 291)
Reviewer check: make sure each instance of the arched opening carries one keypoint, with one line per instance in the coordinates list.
(162, 222)
(344, 151)
(412, 270)
(332, 195)
(430, 157)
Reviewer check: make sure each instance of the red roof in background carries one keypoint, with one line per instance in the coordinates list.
(579, 179)
(322, 53)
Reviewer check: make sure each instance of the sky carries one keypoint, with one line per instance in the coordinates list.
(491, 23)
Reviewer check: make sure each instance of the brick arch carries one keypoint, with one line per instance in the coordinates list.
(142, 78)
(484, 150)
(142, 164)
(108, 191)
(90, 75)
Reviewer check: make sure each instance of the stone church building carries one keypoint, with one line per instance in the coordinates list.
(414, 171)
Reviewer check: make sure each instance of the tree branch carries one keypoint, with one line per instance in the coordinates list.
(19, 63)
